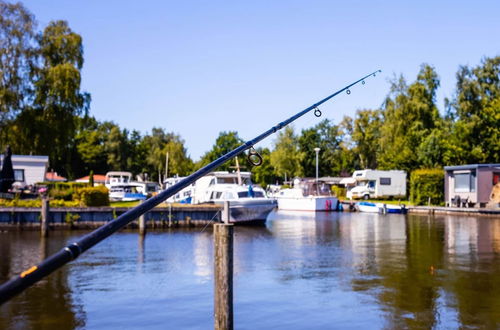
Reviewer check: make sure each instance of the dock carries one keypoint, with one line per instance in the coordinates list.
(176, 215)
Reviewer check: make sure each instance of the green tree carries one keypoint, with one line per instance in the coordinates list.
(58, 99)
(17, 60)
(410, 114)
(264, 174)
(328, 138)
(365, 136)
(286, 157)
(475, 111)
(225, 142)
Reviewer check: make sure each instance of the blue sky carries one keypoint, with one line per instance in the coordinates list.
(197, 68)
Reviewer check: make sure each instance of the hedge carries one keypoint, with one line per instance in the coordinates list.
(427, 183)
(36, 203)
(92, 196)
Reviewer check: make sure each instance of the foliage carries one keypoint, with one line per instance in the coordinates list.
(339, 192)
(17, 58)
(410, 114)
(92, 196)
(475, 111)
(329, 139)
(264, 174)
(287, 156)
(36, 203)
(225, 142)
(425, 184)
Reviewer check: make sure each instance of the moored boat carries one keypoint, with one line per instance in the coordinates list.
(308, 195)
(370, 207)
(248, 203)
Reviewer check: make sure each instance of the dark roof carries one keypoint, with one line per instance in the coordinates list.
(470, 166)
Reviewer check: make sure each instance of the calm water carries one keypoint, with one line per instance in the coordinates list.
(329, 271)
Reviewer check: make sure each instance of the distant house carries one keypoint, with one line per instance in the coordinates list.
(470, 184)
(28, 170)
(98, 179)
(54, 177)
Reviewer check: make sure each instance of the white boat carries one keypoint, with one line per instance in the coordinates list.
(184, 196)
(122, 188)
(125, 193)
(308, 195)
(381, 208)
(247, 203)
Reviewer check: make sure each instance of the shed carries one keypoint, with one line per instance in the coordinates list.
(471, 183)
(28, 170)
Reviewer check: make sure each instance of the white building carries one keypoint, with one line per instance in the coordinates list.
(28, 170)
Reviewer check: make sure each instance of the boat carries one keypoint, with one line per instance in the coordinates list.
(125, 193)
(184, 196)
(122, 188)
(308, 195)
(381, 208)
(248, 203)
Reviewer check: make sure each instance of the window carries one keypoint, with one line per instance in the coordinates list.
(496, 178)
(385, 181)
(19, 175)
(465, 182)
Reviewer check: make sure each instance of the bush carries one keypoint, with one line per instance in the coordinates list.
(92, 196)
(36, 203)
(427, 183)
(339, 192)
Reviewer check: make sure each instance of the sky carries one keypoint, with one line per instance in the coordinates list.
(197, 68)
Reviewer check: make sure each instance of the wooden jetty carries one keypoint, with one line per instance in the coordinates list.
(167, 215)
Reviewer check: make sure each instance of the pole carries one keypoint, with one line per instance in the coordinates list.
(317, 153)
(223, 273)
(226, 212)
(32, 275)
(44, 226)
(166, 166)
(142, 223)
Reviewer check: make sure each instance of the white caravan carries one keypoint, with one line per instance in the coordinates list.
(378, 184)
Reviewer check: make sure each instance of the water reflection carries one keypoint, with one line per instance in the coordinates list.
(48, 304)
(303, 270)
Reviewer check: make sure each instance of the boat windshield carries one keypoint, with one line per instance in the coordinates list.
(233, 180)
(244, 194)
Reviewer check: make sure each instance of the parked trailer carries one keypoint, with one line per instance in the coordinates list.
(378, 184)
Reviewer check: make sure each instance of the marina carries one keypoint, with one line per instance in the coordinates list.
(301, 270)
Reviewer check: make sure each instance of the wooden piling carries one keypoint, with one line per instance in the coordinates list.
(142, 223)
(169, 215)
(225, 212)
(44, 225)
(223, 273)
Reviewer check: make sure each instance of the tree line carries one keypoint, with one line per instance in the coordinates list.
(43, 111)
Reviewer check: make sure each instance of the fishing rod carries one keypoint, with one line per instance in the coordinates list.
(32, 275)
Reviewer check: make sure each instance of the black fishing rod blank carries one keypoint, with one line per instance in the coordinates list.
(32, 275)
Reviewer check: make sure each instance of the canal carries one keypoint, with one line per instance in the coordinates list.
(300, 271)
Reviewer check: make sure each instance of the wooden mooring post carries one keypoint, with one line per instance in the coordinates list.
(223, 272)
(44, 225)
(142, 223)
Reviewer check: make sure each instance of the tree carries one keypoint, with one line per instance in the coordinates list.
(475, 112)
(286, 157)
(410, 114)
(264, 174)
(17, 60)
(365, 136)
(327, 137)
(58, 100)
(225, 142)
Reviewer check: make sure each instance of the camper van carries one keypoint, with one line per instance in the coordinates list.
(377, 184)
